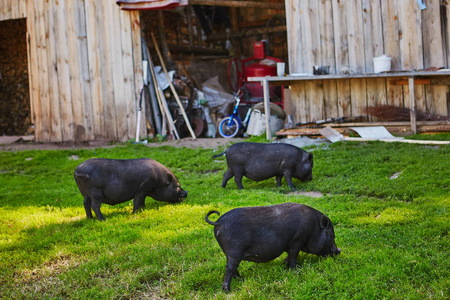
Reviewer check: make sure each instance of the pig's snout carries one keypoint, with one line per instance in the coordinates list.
(335, 251)
(183, 194)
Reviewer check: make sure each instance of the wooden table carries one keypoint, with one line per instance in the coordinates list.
(287, 80)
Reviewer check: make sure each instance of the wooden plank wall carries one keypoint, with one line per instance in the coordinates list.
(347, 35)
(85, 69)
(12, 9)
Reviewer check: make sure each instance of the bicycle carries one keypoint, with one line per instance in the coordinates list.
(231, 125)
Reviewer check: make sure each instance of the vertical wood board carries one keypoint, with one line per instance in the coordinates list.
(373, 32)
(330, 97)
(340, 35)
(45, 104)
(118, 72)
(94, 56)
(433, 45)
(55, 132)
(355, 36)
(128, 75)
(33, 75)
(391, 29)
(62, 64)
(294, 36)
(137, 62)
(325, 22)
(111, 33)
(358, 98)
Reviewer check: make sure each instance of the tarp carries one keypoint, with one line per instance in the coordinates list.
(150, 4)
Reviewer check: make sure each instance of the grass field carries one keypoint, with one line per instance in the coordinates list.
(389, 203)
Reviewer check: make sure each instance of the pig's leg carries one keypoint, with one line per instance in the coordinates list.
(292, 257)
(96, 209)
(288, 177)
(279, 180)
(96, 201)
(227, 176)
(138, 202)
(87, 206)
(238, 175)
(230, 272)
(238, 180)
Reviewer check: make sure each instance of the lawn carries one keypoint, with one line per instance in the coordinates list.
(389, 204)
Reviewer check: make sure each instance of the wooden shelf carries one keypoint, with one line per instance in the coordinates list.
(411, 75)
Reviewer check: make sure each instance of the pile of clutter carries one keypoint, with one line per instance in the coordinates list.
(207, 106)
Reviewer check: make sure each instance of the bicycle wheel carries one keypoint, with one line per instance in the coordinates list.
(229, 127)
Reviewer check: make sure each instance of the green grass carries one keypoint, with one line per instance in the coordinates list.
(393, 231)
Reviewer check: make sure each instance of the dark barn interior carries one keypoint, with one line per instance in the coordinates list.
(15, 115)
(202, 42)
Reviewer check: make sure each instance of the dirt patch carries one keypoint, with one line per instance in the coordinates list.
(307, 194)
(206, 143)
(19, 143)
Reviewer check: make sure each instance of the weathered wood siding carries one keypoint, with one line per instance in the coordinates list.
(85, 68)
(12, 9)
(348, 35)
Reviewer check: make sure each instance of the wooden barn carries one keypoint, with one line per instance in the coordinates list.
(72, 69)
(84, 67)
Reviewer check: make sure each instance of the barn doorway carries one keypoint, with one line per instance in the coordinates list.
(15, 114)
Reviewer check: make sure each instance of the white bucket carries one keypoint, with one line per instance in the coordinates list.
(381, 64)
(281, 67)
(257, 123)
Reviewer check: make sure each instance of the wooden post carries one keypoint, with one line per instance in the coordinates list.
(173, 89)
(267, 108)
(163, 104)
(412, 100)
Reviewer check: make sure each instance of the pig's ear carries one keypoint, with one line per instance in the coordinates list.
(169, 178)
(324, 222)
(310, 156)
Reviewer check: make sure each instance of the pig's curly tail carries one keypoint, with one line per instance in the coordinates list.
(220, 154)
(210, 213)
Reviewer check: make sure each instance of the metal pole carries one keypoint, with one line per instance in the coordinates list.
(412, 102)
(265, 85)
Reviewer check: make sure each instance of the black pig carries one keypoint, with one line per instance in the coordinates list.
(261, 234)
(258, 162)
(114, 181)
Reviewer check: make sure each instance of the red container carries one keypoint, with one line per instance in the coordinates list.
(255, 89)
(258, 50)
